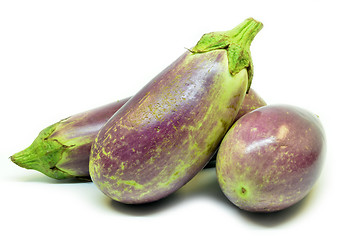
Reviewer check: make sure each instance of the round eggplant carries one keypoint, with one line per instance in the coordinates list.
(271, 158)
(165, 134)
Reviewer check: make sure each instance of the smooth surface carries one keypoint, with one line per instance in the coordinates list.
(271, 158)
(62, 58)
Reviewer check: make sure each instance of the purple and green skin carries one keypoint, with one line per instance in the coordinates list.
(165, 134)
(251, 102)
(271, 158)
(62, 150)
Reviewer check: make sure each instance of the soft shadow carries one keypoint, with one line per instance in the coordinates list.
(206, 184)
(145, 209)
(280, 217)
(40, 178)
(203, 184)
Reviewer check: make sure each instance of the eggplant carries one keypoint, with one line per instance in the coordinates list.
(166, 133)
(62, 150)
(75, 135)
(271, 158)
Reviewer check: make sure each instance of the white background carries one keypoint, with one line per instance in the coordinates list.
(58, 58)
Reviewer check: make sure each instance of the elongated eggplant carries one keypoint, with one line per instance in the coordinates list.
(62, 150)
(165, 134)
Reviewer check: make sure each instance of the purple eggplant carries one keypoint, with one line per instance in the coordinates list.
(62, 150)
(271, 158)
(165, 134)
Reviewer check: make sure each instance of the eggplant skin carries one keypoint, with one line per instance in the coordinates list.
(271, 158)
(251, 102)
(61, 150)
(167, 132)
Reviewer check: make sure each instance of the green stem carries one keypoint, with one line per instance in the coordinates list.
(236, 42)
(42, 155)
(245, 32)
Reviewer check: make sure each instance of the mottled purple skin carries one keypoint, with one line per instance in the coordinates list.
(251, 102)
(78, 132)
(271, 158)
(87, 124)
(168, 131)
(62, 150)
(74, 135)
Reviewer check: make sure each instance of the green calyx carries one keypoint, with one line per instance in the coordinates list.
(237, 44)
(43, 155)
